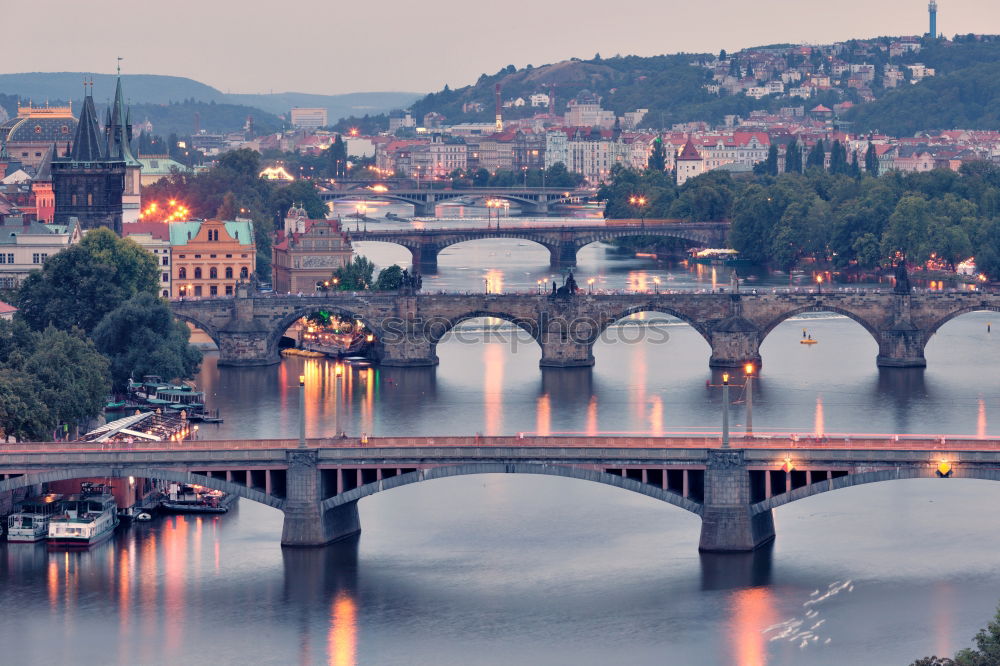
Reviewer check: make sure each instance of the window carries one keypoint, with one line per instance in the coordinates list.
(72, 198)
(197, 256)
(197, 273)
(197, 290)
(213, 273)
(180, 256)
(229, 290)
(10, 258)
(8, 282)
(244, 273)
(182, 273)
(211, 256)
(3, 258)
(229, 272)
(90, 199)
(166, 261)
(36, 258)
(165, 277)
(166, 294)
(229, 256)
(213, 290)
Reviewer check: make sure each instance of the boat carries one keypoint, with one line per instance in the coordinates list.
(195, 499)
(292, 351)
(807, 339)
(143, 517)
(717, 256)
(85, 519)
(30, 520)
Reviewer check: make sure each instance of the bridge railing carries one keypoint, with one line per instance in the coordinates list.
(841, 441)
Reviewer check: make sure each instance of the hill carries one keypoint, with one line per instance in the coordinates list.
(153, 89)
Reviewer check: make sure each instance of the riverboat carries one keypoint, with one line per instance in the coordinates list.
(166, 397)
(717, 257)
(85, 519)
(195, 499)
(30, 521)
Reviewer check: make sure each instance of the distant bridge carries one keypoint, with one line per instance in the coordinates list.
(408, 327)
(733, 491)
(532, 200)
(562, 242)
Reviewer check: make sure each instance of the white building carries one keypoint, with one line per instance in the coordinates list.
(25, 247)
(539, 100)
(309, 118)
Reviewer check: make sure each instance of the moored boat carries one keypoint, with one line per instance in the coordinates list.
(85, 519)
(30, 522)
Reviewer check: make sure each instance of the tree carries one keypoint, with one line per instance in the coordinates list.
(389, 279)
(336, 158)
(23, 413)
(81, 284)
(817, 156)
(355, 276)
(72, 375)
(793, 157)
(658, 157)
(871, 160)
(141, 337)
(301, 192)
(838, 158)
(771, 164)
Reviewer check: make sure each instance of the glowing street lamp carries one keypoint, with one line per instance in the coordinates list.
(590, 285)
(302, 411)
(819, 284)
(725, 410)
(748, 369)
(639, 202)
(656, 285)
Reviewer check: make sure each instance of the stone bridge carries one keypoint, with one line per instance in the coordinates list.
(533, 200)
(318, 486)
(562, 242)
(408, 327)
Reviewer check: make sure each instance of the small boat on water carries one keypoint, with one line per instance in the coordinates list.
(807, 339)
(30, 521)
(84, 520)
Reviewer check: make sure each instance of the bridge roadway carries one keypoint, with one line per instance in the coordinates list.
(562, 242)
(733, 491)
(532, 200)
(407, 327)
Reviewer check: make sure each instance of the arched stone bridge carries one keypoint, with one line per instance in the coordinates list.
(533, 200)
(407, 328)
(562, 242)
(317, 487)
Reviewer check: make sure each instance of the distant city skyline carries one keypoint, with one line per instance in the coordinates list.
(318, 47)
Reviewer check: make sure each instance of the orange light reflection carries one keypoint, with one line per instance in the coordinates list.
(752, 611)
(343, 637)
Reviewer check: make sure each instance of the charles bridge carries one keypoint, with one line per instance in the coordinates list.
(407, 327)
(318, 483)
(562, 242)
(532, 200)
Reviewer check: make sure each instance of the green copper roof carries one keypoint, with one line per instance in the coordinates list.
(183, 232)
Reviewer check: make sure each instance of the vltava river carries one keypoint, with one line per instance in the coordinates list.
(539, 570)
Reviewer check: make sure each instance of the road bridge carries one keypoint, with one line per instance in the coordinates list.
(562, 242)
(407, 327)
(533, 200)
(318, 486)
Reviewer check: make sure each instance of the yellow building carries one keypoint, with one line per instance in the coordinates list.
(210, 256)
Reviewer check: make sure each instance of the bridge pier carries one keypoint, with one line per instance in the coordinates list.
(405, 351)
(566, 354)
(424, 258)
(246, 348)
(563, 255)
(306, 523)
(735, 342)
(902, 346)
(727, 522)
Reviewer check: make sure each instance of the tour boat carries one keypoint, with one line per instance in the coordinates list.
(30, 522)
(85, 519)
(195, 499)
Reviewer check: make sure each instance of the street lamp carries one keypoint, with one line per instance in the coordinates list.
(656, 285)
(302, 411)
(590, 284)
(639, 202)
(725, 410)
(819, 284)
(748, 369)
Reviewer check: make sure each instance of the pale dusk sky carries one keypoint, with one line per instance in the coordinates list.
(324, 46)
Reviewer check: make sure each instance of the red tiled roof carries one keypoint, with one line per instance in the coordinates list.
(6, 308)
(159, 230)
(689, 152)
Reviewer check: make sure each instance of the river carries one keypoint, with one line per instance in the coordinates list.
(497, 569)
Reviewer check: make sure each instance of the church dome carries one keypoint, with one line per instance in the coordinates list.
(38, 130)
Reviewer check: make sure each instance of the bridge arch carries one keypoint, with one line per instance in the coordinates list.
(209, 330)
(700, 327)
(163, 474)
(820, 307)
(980, 307)
(436, 329)
(862, 478)
(281, 325)
(564, 471)
(513, 234)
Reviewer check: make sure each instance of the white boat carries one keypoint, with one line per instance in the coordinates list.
(31, 520)
(85, 519)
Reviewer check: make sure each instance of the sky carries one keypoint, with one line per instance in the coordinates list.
(331, 46)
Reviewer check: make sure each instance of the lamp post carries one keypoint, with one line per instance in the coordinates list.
(725, 410)
(590, 285)
(302, 411)
(640, 204)
(656, 285)
(748, 368)
(819, 284)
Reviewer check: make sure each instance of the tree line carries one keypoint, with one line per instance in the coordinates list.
(843, 220)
